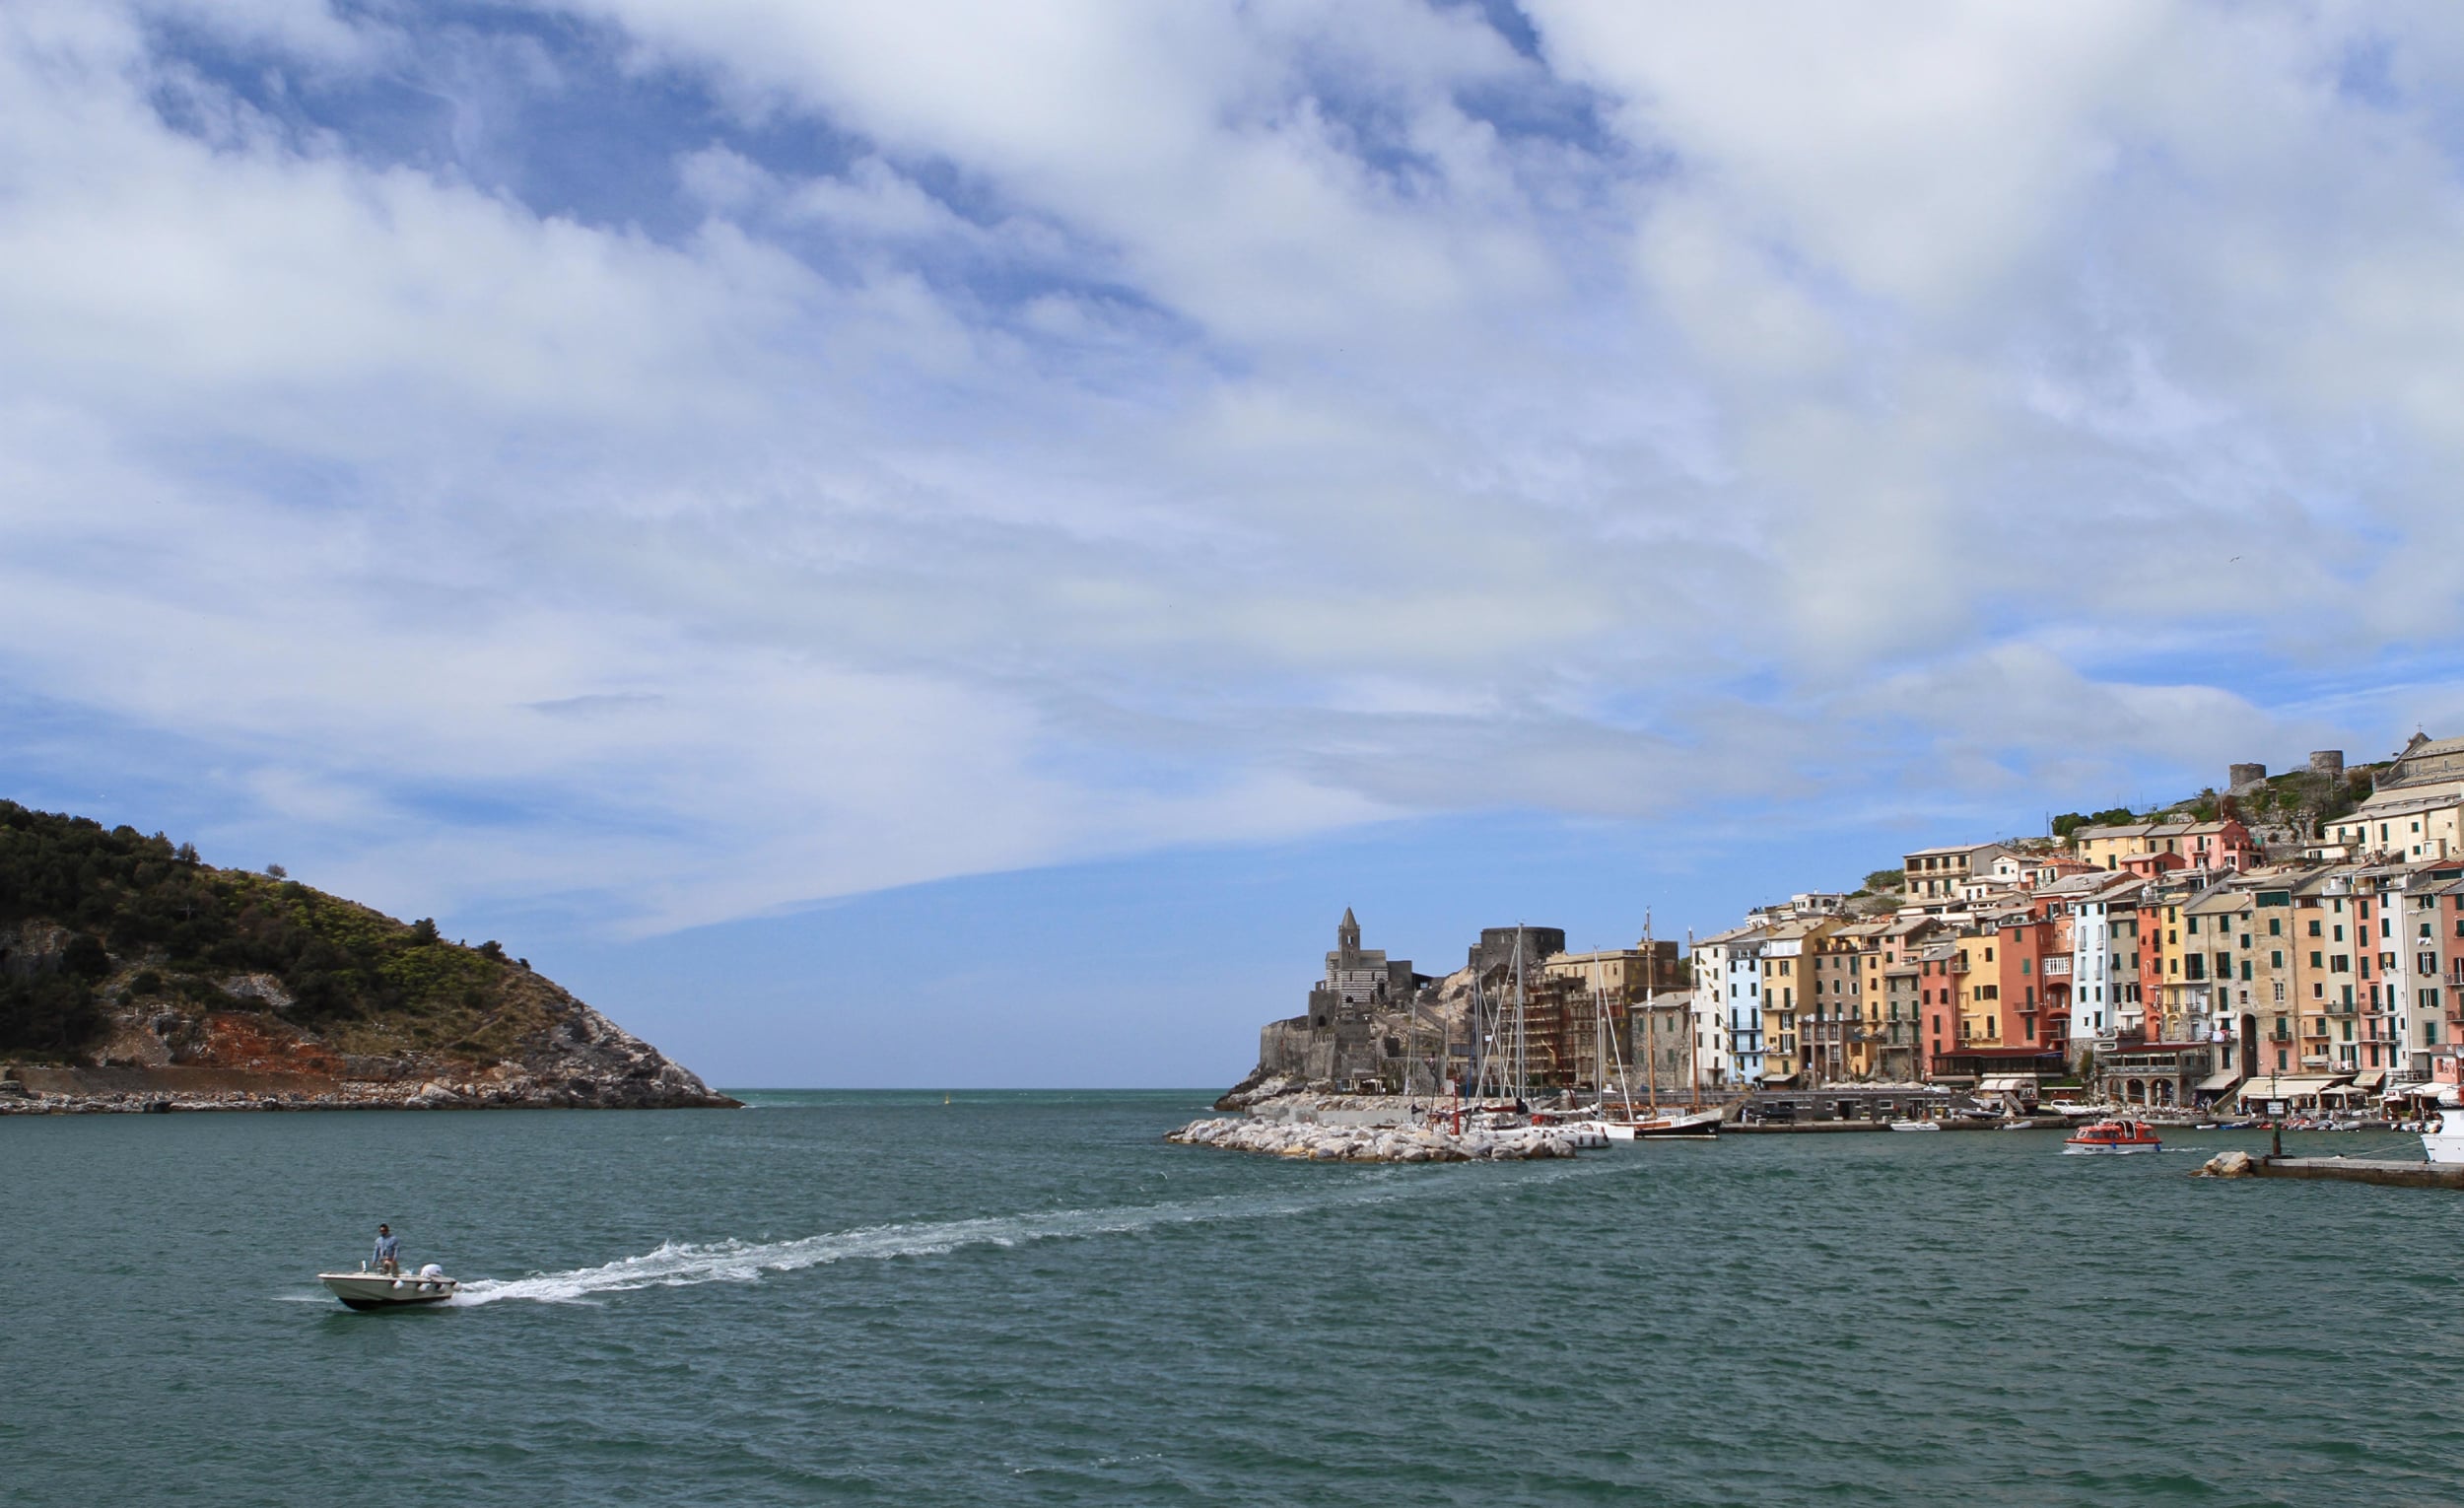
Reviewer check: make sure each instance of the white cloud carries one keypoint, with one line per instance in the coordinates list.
(1138, 425)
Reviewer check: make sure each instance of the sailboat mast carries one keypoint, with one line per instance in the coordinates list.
(1651, 1069)
(1478, 1020)
(1521, 1021)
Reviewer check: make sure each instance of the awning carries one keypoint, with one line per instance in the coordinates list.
(2217, 1082)
(2287, 1088)
(2369, 1079)
(2413, 1091)
(2007, 1084)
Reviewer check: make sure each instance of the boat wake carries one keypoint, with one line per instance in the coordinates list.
(684, 1264)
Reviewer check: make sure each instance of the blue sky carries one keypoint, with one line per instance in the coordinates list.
(887, 544)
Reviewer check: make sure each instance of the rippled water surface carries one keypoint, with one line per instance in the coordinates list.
(1029, 1298)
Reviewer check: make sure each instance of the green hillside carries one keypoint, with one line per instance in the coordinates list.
(92, 916)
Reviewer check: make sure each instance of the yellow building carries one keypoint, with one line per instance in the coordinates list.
(1977, 977)
(1936, 874)
(2107, 847)
(2196, 843)
(2262, 991)
(1626, 975)
(2167, 1004)
(2330, 939)
(2402, 825)
(1832, 1037)
(1787, 980)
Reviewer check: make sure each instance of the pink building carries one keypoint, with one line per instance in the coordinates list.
(2224, 844)
(2447, 913)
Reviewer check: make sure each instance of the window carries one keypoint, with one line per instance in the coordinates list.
(2314, 927)
(2276, 927)
(2317, 959)
(2275, 959)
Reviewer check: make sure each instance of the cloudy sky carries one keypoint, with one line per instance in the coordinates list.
(860, 535)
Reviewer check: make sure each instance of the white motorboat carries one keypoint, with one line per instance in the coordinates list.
(2445, 1142)
(1916, 1126)
(365, 1289)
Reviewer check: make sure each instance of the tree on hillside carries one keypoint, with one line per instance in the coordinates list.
(128, 900)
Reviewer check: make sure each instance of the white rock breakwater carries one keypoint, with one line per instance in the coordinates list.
(1371, 1143)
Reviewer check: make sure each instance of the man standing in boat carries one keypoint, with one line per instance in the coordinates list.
(388, 1249)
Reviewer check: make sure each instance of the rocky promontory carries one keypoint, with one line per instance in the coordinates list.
(1317, 1142)
(134, 977)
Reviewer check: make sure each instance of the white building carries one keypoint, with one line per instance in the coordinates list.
(1727, 1007)
(2100, 985)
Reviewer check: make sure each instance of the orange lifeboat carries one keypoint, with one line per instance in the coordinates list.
(2115, 1136)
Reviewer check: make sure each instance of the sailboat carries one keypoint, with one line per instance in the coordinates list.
(1501, 1057)
(1694, 1124)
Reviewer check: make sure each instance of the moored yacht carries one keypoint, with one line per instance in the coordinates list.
(2444, 1142)
(1698, 1124)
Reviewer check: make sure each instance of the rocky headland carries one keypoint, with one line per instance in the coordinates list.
(134, 977)
(1315, 1141)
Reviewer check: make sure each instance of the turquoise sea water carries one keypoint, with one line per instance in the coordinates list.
(1028, 1298)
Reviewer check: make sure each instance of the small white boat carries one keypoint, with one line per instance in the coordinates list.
(2445, 1142)
(1916, 1126)
(389, 1290)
